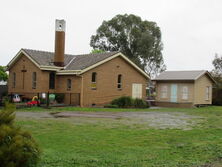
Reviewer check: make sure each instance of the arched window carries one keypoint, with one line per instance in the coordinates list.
(93, 80)
(34, 80)
(69, 84)
(119, 81)
(13, 79)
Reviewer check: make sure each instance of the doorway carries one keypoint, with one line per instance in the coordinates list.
(173, 97)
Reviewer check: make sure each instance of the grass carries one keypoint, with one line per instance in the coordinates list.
(67, 143)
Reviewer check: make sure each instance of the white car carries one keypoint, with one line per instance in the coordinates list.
(16, 98)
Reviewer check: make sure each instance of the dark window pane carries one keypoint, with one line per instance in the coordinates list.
(94, 77)
(34, 80)
(119, 81)
(119, 78)
(52, 80)
(69, 84)
(13, 79)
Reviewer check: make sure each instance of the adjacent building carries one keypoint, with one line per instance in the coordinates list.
(184, 88)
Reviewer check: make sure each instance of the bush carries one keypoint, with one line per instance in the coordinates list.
(123, 102)
(140, 103)
(129, 102)
(17, 147)
(59, 97)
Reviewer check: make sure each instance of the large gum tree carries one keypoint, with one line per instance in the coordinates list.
(139, 40)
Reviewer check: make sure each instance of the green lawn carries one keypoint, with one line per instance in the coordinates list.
(83, 142)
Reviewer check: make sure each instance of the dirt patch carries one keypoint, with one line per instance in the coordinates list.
(35, 115)
(88, 115)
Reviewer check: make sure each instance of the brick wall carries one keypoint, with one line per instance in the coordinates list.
(106, 85)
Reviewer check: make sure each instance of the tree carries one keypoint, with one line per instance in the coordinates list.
(217, 71)
(217, 63)
(17, 147)
(97, 51)
(3, 74)
(217, 75)
(139, 40)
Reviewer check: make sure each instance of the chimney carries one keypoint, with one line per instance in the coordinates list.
(60, 26)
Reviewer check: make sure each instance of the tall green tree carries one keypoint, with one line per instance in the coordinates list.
(97, 51)
(3, 74)
(217, 71)
(217, 63)
(139, 40)
(217, 75)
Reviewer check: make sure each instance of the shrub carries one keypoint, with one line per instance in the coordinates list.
(17, 147)
(140, 103)
(123, 102)
(59, 97)
(129, 102)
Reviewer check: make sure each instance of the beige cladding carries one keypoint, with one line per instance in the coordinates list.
(196, 92)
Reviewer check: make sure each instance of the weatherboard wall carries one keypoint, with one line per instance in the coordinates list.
(200, 90)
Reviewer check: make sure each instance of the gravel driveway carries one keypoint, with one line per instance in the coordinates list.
(157, 120)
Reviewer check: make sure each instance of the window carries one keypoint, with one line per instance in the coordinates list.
(69, 84)
(119, 81)
(207, 93)
(164, 91)
(13, 79)
(93, 81)
(34, 80)
(184, 92)
(52, 80)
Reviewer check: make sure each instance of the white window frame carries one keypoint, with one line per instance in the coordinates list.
(185, 92)
(163, 91)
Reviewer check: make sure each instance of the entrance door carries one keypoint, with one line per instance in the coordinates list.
(173, 97)
(137, 91)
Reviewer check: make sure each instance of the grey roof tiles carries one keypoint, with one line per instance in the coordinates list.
(72, 62)
(180, 75)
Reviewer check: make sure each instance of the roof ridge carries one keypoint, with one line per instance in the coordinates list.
(114, 52)
(37, 50)
(183, 70)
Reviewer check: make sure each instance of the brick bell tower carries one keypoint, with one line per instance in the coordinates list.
(60, 26)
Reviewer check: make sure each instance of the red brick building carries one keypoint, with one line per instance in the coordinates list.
(95, 78)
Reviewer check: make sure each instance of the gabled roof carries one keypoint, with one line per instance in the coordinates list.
(182, 75)
(74, 64)
(44, 58)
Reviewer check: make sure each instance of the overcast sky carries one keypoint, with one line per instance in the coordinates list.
(191, 29)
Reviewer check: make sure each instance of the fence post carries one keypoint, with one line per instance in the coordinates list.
(38, 100)
(47, 100)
